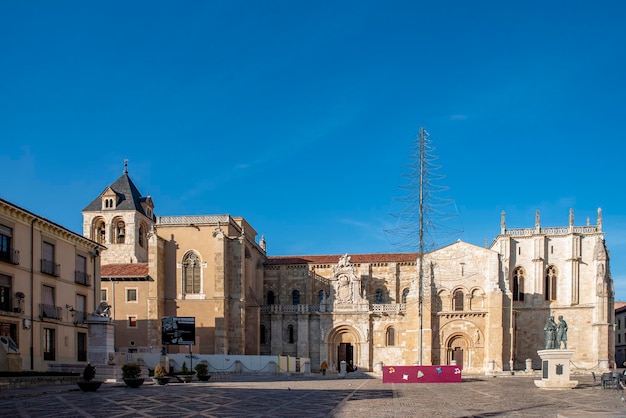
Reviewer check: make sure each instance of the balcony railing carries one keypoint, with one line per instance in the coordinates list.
(79, 317)
(81, 277)
(304, 308)
(50, 267)
(10, 255)
(388, 308)
(50, 311)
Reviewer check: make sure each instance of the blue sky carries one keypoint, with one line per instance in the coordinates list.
(300, 116)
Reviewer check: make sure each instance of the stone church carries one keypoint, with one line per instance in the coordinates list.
(480, 308)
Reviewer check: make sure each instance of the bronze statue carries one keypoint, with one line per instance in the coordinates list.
(561, 333)
(550, 333)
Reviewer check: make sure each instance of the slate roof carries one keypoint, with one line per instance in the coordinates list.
(332, 259)
(129, 196)
(126, 270)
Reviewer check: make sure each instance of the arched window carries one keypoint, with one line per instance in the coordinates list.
(379, 296)
(191, 273)
(458, 300)
(120, 232)
(405, 294)
(321, 295)
(100, 232)
(550, 283)
(262, 334)
(141, 235)
(476, 300)
(291, 334)
(518, 284)
(270, 298)
(295, 296)
(391, 337)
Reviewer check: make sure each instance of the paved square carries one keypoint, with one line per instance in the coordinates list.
(359, 395)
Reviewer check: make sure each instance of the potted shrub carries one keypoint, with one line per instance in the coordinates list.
(88, 384)
(160, 375)
(131, 373)
(185, 375)
(202, 371)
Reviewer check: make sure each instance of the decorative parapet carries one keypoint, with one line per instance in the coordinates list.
(388, 308)
(552, 231)
(290, 309)
(193, 219)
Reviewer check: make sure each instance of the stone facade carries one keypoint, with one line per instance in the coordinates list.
(207, 267)
(483, 309)
(480, 308)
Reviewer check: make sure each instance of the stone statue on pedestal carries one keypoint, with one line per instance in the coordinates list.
(549, 330)
(561, 333)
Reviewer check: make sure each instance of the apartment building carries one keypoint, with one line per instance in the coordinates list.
(49, 280)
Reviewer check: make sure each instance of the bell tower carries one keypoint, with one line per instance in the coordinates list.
(120, 218)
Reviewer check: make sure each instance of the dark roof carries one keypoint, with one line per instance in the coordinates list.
(129, 196)
(331, 259)
(124, 270)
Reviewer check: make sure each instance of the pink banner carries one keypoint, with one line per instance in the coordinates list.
(421, 374)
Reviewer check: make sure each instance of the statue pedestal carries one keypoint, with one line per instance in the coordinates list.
(555, 368)
(101, 340)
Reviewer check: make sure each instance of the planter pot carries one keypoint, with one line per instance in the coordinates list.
(204, 378)
(133, 382)
(184, 378)
(162, 380)
(89, 385)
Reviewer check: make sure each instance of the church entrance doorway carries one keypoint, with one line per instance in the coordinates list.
(457, 351)
(345, 352)
(344, 344)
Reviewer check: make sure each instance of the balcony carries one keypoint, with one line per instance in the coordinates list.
(50, 311)
(9, 255)
(50, 267)
(81, 277)
(79, 317)
(388, 308)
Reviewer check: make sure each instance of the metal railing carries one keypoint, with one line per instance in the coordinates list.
(50, 267)
(79, 317)
(50, 311)
(10, 256)
(81, 277)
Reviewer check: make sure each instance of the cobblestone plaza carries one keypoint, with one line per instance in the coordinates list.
(358, 395)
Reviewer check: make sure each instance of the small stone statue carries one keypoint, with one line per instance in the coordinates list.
(550, 333)
(103, 310)
(561, 333)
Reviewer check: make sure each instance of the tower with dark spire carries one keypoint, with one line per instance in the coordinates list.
(120, 218)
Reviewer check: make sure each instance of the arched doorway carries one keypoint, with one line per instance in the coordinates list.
(344, 344)
(458, 351)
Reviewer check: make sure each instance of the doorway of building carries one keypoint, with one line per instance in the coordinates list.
(457, 356)
(457, 350)
(345, 352)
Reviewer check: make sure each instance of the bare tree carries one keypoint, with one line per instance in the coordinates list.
(421, 223)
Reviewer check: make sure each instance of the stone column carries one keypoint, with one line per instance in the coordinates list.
(101, 340)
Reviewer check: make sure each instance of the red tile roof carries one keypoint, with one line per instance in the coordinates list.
(331, 259)
(124, 270)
